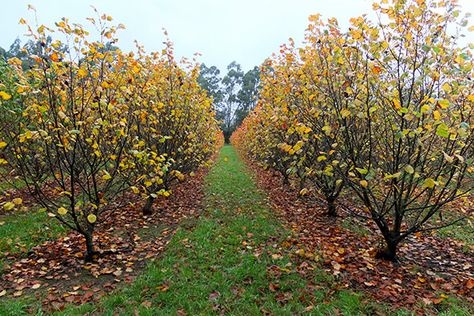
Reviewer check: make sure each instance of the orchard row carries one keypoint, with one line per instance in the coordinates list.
(383, 111)
(85, 125)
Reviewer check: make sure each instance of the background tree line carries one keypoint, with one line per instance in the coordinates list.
(235, 93)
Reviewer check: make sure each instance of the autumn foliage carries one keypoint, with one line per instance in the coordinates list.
(86, 123)
(384, 111)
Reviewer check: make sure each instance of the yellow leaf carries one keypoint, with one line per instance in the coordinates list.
(3, 145)
(396, 104)
(321, 158)
(106, 176)
(304, 191)
(364, 183)
(446, 87)
(436, 115)
(429, 183)
(391, 176)
(409, 169)
(425, 108)
(300, 252)
(327, 129)
(5, 96)
(443, 103)
(8, 206)
(345, 113)
(91, 218)
(81, 73)
(17, 201)
(471, 28)
(62, 211)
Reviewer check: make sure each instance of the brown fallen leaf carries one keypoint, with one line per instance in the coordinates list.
(370, 284)
(163, 288)
(214, 295)
(273, 287)
(470, 284)
(147, 304)
(276, 256)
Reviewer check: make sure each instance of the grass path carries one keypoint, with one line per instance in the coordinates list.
(227, 261)
(220, 263)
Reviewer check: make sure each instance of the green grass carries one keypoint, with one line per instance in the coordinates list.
(462, 231)
(7, 182)
(20, 232)
(219, 263)
(211, 266)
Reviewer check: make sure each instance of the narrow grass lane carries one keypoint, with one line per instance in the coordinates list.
(226, 262)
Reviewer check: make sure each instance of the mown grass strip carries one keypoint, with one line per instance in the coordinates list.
(211, 266)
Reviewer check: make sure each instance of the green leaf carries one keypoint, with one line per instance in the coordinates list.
(362, 171)
(442, 130)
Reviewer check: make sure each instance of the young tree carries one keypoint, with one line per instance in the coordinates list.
(71, 134)
(176, 127)
(388, 108)
(409, 129)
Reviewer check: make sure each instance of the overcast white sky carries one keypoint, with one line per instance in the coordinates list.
(247, 31)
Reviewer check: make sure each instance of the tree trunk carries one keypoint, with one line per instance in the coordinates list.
(301, 186)
(390, 251)
(90, 252)
(148, 208)
(331, 207)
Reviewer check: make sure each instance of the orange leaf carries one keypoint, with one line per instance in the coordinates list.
(54, 57)
(470, 284)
